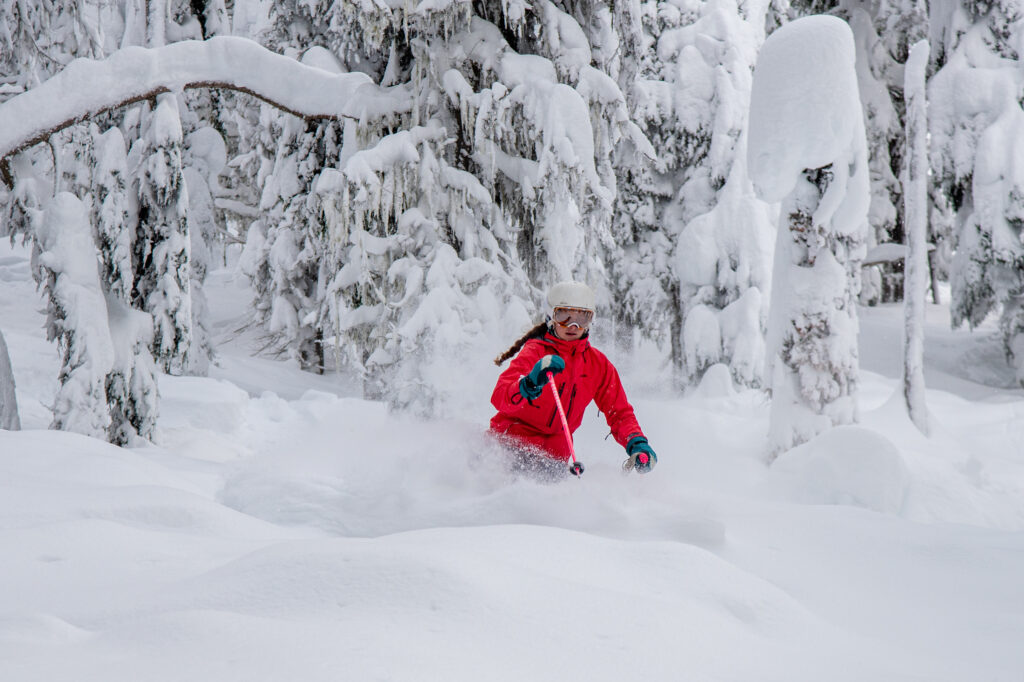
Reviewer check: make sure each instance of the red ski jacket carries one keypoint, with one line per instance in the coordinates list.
(588, 376)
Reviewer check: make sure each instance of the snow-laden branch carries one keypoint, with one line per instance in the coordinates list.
(87, 88)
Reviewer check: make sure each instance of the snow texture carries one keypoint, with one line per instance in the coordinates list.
(281, 529)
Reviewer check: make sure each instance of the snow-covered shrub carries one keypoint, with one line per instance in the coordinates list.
(808, 150)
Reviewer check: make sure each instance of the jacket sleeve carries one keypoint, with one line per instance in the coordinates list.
(506, 397)
(611, 400)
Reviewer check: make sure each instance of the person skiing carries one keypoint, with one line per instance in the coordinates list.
(527, 420)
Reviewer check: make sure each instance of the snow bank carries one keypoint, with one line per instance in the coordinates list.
(846, 465)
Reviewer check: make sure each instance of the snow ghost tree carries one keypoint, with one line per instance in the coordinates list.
(977, 128)
(807, 150)
(131, 385)
(883, 32)
(161, 251)
(204, 156)
(65, 264)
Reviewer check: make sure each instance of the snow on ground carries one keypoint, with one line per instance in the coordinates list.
(281, 528)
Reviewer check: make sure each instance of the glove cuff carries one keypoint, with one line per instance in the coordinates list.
(634, 444)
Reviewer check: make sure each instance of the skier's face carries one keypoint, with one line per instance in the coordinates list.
(571, 323)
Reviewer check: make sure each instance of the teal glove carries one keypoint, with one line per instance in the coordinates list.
(532, 385)
(641, 455)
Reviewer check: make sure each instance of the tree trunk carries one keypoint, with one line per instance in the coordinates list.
(8, 401)
(915, 196)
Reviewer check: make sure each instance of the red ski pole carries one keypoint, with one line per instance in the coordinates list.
(576, 469)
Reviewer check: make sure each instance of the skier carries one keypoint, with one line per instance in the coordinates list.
(527, 420)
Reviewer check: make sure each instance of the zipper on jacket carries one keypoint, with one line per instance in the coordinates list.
(568, 408)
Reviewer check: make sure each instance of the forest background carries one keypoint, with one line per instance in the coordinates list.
(483, 152)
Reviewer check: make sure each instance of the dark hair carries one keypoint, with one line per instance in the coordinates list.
(535, 332)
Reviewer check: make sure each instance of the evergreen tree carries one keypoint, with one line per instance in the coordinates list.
(976, 156)
(697, 263)
(883, 31)
(65, 265)
(39, 38)
(131, 387)
(812, 341)
(526, 185)
(161, 253)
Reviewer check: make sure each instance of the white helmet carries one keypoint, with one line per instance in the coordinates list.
(571, 295)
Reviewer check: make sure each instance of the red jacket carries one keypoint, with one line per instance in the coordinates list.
(588, 376)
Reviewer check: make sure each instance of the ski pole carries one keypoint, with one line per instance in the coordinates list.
(576, 469)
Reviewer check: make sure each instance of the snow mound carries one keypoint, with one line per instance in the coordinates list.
(847, 465)
(716, 383)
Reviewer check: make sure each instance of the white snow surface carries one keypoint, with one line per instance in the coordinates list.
(280, 528)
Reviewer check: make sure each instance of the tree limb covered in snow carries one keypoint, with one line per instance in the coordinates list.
(88, 88)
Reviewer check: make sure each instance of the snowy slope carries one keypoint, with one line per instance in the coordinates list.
(282, 529)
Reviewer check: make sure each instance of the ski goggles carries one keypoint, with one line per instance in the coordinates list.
(568, 317)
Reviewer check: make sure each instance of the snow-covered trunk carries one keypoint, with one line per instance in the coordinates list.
(807, 149)
(915, 196)
(8, 398)
(65, 262)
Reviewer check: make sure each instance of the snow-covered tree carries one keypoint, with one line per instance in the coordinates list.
(131, 388)
(65, 265)
(161, 248)
(111, 214)
(204, 156)
(915, 195)
(883, 31)
(8, 397)
(976, 126)
(807, 149)
(288, 247)
(39, 38)
(697, 240)
(495, 150)
(419, 280)
(69, 97)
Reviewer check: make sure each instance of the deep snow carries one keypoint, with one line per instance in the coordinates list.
(282, 529)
